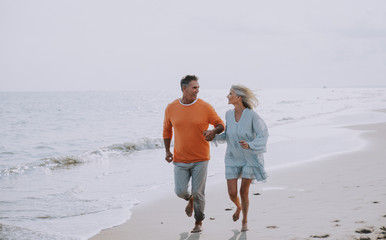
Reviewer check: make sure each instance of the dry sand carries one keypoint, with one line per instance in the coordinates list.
(339, 197)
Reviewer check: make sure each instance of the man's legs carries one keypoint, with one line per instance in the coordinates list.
(181, 180)
(182, 174)
(199, 174)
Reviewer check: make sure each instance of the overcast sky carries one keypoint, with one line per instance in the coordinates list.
(150, 44)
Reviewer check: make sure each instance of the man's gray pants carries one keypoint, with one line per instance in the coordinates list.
(198, 172)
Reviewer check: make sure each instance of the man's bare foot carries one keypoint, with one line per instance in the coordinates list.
(244, 227)
(189, 208)
(197, 227)
(236, 215)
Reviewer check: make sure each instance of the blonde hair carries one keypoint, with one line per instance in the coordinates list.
(248, 98)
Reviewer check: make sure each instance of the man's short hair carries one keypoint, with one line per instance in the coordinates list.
(187, 79)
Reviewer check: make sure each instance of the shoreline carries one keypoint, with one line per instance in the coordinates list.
(337, 197)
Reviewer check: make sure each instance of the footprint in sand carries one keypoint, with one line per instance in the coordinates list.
(382, 234)
(364, 231)
(360, 222)
(272, 227)
(320, 236)
(336, 222)
(364, 238)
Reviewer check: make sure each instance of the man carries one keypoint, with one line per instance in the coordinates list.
(190, 118)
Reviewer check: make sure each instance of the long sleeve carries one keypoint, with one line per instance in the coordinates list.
(252, 129)
(167, 125)
(261, 135)
(220, 138)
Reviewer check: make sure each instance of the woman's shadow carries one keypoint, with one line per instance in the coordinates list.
(237, 235)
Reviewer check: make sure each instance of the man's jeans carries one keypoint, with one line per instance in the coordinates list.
(198, 172)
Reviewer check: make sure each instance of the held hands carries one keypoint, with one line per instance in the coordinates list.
(244, 144)
(209, 135)
(169, 157)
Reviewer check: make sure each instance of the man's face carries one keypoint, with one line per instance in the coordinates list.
(191, 91)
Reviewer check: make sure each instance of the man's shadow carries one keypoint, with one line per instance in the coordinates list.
(192, 236)
(237, 235)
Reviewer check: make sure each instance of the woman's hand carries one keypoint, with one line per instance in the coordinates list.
(244, 144)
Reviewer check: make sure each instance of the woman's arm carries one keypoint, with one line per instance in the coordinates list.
(261, 132)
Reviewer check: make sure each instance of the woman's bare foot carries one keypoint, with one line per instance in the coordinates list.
(189, 208)
(197, 227)
(236, 215)
(244, 227)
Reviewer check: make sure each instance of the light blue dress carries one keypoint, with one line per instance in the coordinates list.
(252, 129)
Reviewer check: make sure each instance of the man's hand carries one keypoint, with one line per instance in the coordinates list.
(209, 135)
(169, 157)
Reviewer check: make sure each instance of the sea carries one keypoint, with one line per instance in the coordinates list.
(74, 163)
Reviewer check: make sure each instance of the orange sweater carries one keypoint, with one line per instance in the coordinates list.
(189, 123)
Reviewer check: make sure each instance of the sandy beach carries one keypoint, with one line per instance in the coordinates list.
(337, 197)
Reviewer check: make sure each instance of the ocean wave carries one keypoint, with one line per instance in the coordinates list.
(289, 101)
(42, 213)
(286, 119)
(60, 162)
(140, 144)
(67, 204)
(22, 233)
(7, 153)
(66, 162)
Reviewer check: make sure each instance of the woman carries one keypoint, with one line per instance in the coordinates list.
(246, 135)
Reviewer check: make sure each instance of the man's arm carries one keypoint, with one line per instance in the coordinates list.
(210, 134)
(169, 155)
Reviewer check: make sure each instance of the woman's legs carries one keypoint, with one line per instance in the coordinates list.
(244, 194)
(232, 191)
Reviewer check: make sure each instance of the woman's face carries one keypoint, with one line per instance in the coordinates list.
(232, 97)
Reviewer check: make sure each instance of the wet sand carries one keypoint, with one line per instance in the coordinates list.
(337, 197)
